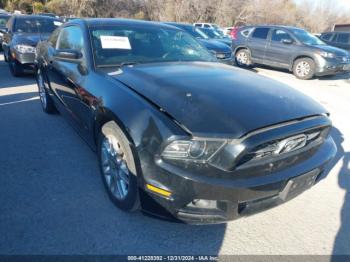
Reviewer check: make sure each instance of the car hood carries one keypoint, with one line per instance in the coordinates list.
(217, 100)
(29, 39)
(215, 45)
(332, 49)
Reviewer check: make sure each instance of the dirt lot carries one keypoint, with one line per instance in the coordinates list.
(53, 202)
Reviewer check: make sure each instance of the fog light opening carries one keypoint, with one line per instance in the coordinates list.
(203, 203)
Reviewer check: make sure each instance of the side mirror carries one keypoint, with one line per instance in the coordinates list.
(287, 41)
(68, 54)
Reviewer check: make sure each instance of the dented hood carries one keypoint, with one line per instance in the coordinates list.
(217, 100)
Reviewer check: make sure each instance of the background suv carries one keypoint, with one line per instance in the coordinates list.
(338, 39)
(291, 48)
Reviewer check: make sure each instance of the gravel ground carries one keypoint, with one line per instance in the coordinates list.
(52, 200)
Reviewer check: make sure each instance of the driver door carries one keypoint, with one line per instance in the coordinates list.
(67, 79)
(279, 50)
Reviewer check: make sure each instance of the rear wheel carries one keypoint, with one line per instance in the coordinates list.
(304, 68)
(15, 67)
(118, 168)
(45, 99)
(243, 58)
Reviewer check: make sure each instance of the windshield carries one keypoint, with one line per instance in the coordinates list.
(194, 31)
(114, 46)
(36, 25)
(210, 33)
(307, 38)
(3, 21)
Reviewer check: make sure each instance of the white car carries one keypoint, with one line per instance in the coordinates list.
(227, 30)
(208, 25)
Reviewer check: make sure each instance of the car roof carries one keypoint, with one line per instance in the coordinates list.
(336, 32)
(179, 24)
(34, 17)
(92, 22)
(275, 26)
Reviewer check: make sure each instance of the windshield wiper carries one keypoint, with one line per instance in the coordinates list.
(119, 65)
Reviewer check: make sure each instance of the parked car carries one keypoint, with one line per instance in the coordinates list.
(214, 34)
(291, 48)
(22, 34)
(338, 39)
(3, 21)
(208, 25)
(49, 14)
(227, 30)
(178, 134)
(222, 52)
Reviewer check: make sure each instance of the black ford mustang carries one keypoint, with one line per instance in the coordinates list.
(178, 134)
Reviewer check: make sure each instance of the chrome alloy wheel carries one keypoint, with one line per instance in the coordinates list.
(114, 167)
(41, 86)
(42, 91)
(303, 69)
(242, 58)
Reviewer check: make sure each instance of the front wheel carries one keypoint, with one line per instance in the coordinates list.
(15, 67)
(118, 168)
(45, 99)
(243, 58)
(304, 68)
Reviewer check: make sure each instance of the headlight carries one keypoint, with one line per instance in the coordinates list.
(195, 150)
(327, 54)
(25, 49)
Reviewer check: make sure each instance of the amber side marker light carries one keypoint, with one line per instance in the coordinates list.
(158, 190)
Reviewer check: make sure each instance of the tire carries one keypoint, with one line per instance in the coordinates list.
(15, 67)
(243, 58)
(5, 58)
(122, 167)
(304, 68)
(45, 99)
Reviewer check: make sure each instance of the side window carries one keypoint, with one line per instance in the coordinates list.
(261, 33)
(53, 38)
(343, 38)
(9, 24)
(206, 26)
(279, 35)
(246, 32)
(71, 38)
(327, 36)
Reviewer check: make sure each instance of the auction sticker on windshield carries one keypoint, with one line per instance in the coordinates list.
(115, 42)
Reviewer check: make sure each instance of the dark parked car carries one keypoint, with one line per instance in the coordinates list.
(217, 35)
(3, 21)
(22, 34)
(291, 48)
(49, 15)
(222, 52)
(178, 134)
(338, 39)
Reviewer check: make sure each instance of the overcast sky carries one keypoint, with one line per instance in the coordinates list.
(339, 5)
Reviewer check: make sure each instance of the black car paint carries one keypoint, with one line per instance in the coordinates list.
(3, 28)
(12, 38)
(283, 55)
(157, 103)
(333, 41)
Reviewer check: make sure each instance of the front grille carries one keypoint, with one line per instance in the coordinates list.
(280, 147)
(343, 59)
(223, 55)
